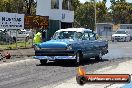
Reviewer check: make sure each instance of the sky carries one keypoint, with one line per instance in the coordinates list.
(107, 3)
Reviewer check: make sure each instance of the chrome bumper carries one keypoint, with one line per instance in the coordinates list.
(54, 57)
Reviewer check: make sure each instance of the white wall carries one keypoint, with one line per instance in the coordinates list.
(44, 9)
(125, 26)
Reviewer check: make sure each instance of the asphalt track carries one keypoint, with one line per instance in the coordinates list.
(29, 73)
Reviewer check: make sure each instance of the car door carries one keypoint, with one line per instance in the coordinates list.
(89, 43)
(94, 43)
(87, 46)
(78, 42)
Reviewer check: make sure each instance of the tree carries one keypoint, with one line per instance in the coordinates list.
(105, 1)
(121, 12)
(101, 11)
(76, 4)
(84, 15)
(18, 6)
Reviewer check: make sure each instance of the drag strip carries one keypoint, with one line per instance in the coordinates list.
(26, 72)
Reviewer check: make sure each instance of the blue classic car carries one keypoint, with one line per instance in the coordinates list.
(71, 44)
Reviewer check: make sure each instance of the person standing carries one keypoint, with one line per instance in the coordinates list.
(37, 38)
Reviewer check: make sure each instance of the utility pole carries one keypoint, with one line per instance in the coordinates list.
(95, 14)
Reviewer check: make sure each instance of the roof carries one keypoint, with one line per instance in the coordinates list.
(125, 24)
(104, 23)
(74, 29)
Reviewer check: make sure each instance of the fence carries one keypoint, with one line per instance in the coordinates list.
(14, 40)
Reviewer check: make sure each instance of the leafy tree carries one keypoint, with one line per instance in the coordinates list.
(101, 11)
(84, 15)
(18, 6)
(76, 4)
(121, 12)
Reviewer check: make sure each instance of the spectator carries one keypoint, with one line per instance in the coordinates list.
(37, 38)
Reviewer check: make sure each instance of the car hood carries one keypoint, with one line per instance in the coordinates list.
(59, 43)
(119, 35)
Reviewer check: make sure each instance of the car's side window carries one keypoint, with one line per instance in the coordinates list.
(85, 36)
(78, 35)
(92, 36)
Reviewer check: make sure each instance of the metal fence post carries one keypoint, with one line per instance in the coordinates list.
(16, 38)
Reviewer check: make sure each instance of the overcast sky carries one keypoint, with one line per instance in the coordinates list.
(107, 3)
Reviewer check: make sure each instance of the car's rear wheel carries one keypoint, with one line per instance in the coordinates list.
(99, 57)
(43, 62)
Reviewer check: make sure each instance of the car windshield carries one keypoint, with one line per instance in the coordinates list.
(67, 35)
(120, 32)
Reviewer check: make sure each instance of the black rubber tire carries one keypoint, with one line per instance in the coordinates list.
(43, 62)
(99, 57)
(79, 58)
(81, 80)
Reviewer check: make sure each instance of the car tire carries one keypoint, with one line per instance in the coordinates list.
(129, 39)
(43, 62)
(79, 58)
(113, 40)
(99, 57)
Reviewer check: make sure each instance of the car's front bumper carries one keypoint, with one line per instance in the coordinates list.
(55, 57)
(54, 54)
(118, 38)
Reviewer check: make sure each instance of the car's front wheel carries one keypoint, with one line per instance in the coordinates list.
(79, 58)
(99, 57)
(43, 62)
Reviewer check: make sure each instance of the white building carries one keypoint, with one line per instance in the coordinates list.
(125, 26)
(59, 11)
(104, 30)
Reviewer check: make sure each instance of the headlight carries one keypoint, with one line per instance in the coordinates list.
(69, 47)
(36, 48)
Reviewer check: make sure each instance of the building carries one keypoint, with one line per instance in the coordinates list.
(104, 30)
(60, 12)
(125, 26)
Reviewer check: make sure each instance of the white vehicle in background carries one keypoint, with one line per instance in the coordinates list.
(28, 31)
(122, 35)
(18, 34)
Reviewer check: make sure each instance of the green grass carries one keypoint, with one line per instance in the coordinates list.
(19, 45)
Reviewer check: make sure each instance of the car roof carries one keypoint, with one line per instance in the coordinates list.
(74, 29)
